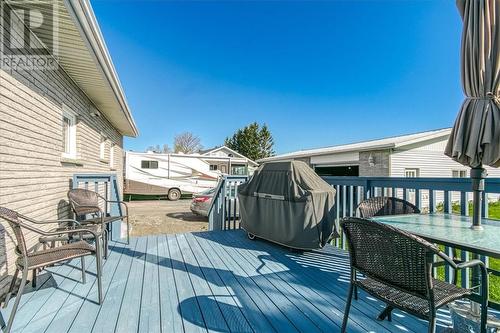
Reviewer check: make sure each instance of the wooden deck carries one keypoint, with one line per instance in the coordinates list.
(211, 281)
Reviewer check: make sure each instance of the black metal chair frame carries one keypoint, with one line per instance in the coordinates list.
(101, 215)
(430, 251)
(23, 253)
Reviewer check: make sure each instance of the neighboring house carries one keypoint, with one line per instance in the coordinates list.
(412, 155)
(57, 122)
(228, 161)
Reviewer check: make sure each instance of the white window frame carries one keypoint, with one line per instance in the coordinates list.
(461, 173)
(102, 147)
(71, 116)
(414, 171)
(112, 155)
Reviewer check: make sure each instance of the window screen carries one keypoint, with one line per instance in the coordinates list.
(149, 164)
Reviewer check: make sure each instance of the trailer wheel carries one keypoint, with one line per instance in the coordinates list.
(174, 194)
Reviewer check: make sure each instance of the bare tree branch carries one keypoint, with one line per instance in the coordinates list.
(187, 143)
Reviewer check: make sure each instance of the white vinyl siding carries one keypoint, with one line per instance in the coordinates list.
(430, 160)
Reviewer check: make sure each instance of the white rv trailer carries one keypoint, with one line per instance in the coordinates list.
(167, 174)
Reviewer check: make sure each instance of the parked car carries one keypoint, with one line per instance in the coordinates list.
(201, 202)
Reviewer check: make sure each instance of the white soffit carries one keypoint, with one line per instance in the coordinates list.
(83, 55)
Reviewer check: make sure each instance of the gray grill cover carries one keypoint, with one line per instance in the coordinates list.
(288, 203)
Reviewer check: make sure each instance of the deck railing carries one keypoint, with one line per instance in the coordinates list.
(446, 195)
(224, 211)
(430, 195)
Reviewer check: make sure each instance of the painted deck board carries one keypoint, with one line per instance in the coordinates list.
(171, 319)
(128, 318)
(150, 302)
(204, 282)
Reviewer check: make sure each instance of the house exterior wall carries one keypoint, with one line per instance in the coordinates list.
(381, 163)
(430, 161)
(34, 179)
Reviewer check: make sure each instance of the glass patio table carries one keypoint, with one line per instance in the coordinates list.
(453, 231)
(450, 230)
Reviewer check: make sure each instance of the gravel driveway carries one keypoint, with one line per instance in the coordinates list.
(164, 217)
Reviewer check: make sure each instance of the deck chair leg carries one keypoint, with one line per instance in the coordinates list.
(128, 231)
(356, 292)
(484, 315)
(16, 303)
(386, 313)
(84, 280)
(98, 258)
(11, 288)
(347, 307)
(432, 323)
(33, 278)
(105, 236)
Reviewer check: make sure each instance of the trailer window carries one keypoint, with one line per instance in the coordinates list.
(149, 164)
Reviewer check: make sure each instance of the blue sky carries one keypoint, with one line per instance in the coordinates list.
(318, 73)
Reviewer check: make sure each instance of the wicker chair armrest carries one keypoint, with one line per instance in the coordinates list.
(111, 201)
(56, 221)
(73, 231)
(59, 232)
(470, 264)
(447, 259)
(121, 203)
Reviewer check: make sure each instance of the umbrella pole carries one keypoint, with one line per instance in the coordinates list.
(477, 175)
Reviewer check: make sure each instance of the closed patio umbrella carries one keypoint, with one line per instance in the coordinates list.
(475, 138)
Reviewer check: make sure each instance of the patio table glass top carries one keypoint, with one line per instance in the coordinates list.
(451, 230)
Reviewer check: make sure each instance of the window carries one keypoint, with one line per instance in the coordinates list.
(149, 164)
(213, 167)
(237, 169)
(411, 173)
(112, 156)
(459, 173)
(68, 134)
(102, 148)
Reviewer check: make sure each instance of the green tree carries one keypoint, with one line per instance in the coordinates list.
(253, 141)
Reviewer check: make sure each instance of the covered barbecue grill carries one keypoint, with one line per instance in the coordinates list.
(288, 203)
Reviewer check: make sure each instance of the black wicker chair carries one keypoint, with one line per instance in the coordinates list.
(398, 270)
(378, 206)
(29, 260)
(85, 202)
